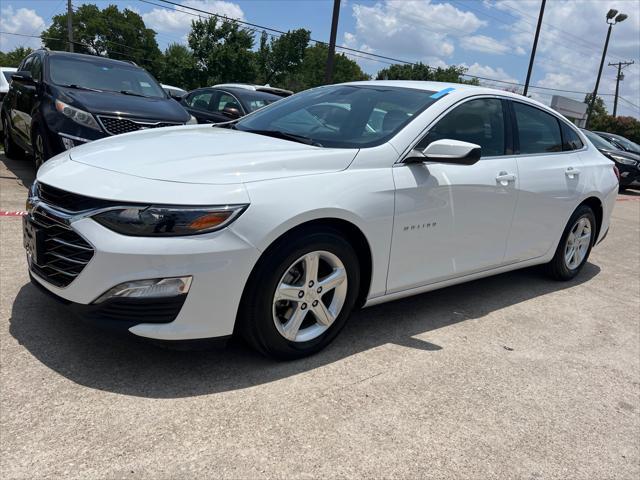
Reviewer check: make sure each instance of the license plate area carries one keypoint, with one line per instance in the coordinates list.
(33, 241)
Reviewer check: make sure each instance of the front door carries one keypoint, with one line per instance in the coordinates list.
(452, 220)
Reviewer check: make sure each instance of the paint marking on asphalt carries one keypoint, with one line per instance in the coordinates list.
(14, 213)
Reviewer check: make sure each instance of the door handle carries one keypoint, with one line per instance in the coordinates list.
(572, 172)
(504, 178)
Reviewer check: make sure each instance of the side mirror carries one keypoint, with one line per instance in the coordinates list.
(447, 151)
(231, 112)
(177, 96)
(23, 76)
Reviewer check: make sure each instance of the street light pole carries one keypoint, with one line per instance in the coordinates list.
(533, 50)
(611, 21)
(70, 25)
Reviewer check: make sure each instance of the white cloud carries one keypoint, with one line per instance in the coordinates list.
(570, 46)
(179, 20)
(489, 72)
(22, 20)
(483, 43)
(411, 30)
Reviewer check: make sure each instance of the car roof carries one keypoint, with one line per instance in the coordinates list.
(8, 69)
(255, 87)
(88, 58)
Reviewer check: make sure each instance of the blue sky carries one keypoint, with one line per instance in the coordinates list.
(490, 37)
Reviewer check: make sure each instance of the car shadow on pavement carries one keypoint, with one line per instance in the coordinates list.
(23, 169)
(126, 365)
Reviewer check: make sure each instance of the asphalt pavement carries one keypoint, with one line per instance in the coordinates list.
(514, 376)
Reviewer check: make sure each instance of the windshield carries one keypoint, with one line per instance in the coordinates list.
(598, 141)
(101, 75)
(626, 144)
(342, 116)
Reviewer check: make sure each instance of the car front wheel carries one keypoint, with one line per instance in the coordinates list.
(300, 294)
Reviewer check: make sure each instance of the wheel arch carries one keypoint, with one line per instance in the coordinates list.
(595, 204)
(349, 230)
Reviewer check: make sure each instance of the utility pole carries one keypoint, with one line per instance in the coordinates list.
(70, 25)
(328, 77)
(619, 77)
(533, 50)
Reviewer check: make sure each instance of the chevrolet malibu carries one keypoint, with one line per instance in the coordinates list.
(276, 226)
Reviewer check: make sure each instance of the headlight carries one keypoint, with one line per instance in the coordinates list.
(192, 121)
(77, 115)
(157, 221)
(623, 160)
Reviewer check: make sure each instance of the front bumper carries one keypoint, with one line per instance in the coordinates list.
(219, 263)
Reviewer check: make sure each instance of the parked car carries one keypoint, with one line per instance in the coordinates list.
(621, 142)
(281, 92)
(5, 79)
(276, 226)
(221, 103)
(628, 163)
(58, 100)
(174, 92)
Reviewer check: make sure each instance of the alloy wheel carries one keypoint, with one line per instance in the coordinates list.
(310, 296)
(578, 243)
(38, 151)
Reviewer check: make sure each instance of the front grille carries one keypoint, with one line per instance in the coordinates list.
(117, 125)
(68, 201)
(62, 253)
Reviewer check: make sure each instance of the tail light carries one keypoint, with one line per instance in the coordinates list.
(617, 172)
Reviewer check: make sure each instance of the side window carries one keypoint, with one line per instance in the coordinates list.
(570, 139)
(227, 100)
(539, 132)
(36, 68)
(26, 64)
(200, 100)
(478, 121)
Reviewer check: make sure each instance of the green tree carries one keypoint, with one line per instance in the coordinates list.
(109, 32)
(420, 71)
(14, 57)
(222, 51)
(312, 70)
(628, 127)
(179, 67)
(282, 56)
(599, 109)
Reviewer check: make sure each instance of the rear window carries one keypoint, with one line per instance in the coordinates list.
(538, 131)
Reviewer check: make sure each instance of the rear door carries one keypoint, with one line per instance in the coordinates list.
(198, 104)
(551, 182)
(20, 105)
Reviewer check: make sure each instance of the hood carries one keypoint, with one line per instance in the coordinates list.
(110, 103)
(620, 153)
(204, 154)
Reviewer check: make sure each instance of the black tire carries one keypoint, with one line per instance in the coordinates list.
(11, 148)
(41, 148)
(558, 268)
(256, 321)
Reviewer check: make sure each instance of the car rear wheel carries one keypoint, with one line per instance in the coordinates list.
(300, 294)
(11, 149)
(575, 245)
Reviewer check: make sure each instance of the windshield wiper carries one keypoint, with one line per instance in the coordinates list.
(79, 87)
(286, 136)
(129, 92)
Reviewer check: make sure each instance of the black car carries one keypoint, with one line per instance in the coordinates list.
(620, 142)
(58, 100)
(628, 163)
(224, 103)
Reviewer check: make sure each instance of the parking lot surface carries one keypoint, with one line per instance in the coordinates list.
(514, 376)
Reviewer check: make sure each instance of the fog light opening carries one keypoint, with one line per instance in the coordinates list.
(152, 288)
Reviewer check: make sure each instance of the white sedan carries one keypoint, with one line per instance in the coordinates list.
(278, 225)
